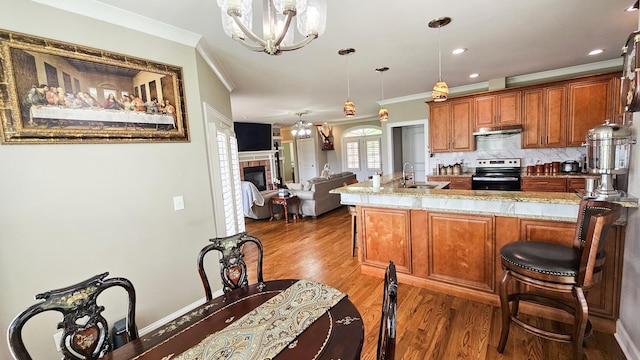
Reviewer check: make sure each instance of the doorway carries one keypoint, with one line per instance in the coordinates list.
(288, 161)
(409, 142)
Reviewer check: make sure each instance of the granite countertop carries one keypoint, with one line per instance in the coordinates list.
(390, 186)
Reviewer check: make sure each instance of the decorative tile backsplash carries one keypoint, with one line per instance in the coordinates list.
(506, 146)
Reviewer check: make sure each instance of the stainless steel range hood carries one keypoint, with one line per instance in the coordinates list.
(498, 129)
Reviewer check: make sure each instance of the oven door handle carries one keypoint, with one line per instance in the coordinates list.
(495, 179)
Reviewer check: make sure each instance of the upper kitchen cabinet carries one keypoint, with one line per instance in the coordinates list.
(450, 126)
(590, 104)
(544, 117)
(497, 110)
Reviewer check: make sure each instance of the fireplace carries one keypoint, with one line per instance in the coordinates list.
(256, 175)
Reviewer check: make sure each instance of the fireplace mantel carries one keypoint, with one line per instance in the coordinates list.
(266, 158)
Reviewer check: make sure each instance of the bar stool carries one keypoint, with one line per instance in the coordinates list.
(558, 270)
(352, 212)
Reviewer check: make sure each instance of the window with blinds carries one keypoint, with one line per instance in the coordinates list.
(230, 183)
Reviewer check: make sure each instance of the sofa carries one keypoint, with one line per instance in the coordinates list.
(314, 195)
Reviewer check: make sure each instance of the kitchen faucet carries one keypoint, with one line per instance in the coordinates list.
(406, 176)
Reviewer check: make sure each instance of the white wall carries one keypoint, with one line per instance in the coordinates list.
(628, 326)
(68, 212)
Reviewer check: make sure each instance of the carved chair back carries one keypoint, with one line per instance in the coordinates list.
(233, 269)
(387, 334)
(85, 334)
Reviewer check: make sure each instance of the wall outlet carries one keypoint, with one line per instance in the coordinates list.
(56, 338)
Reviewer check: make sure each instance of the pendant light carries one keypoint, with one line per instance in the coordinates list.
(349, 107)
(301, 129)
(383, 114)
(440, 89)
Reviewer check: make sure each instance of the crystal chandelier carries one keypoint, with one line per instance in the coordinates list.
(301, 128)
(440, 89)
(383, 113)
(349, 108)
(276, 20)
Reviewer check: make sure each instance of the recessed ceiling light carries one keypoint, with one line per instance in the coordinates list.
(474, 75)
(458, 51)
(596, 52)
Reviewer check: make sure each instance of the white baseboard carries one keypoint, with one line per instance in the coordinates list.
(629, 349)
(156, 325)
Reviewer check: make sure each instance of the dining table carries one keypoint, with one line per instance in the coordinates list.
(278, 319)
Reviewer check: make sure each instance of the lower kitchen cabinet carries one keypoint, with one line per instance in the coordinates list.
(455, 182)
(575, 184)
(543, 184)
(459, 253)
(461, 250)
(385, 235)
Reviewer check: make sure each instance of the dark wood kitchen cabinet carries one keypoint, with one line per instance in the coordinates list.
(543, 184)
(385, 235)
(499, 109)
(590, 104)
(544, 117)
(461, 250)
(450, 127)
(455, 182)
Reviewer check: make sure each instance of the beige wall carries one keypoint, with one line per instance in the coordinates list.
(68, 212)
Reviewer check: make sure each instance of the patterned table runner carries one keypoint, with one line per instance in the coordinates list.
(268, 329)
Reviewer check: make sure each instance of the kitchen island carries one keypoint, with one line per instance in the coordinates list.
(449, 240)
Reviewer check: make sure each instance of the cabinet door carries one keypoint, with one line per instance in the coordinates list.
(461, 250)
(439, 129)
(508, 109)
(555, 118)
(543, 184)
(461, 126)
(589, 106)
(485, 113)
(544, 117)
(386, 236)
(501, 109)
(533, 119)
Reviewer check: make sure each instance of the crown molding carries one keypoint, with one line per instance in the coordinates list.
(127, 19)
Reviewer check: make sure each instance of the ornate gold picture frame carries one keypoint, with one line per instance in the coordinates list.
(56, 92)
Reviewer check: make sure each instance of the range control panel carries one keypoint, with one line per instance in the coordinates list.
(485, 163)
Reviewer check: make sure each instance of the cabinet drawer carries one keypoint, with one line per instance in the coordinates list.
(574, 184)
(460, 183)
(544, 184)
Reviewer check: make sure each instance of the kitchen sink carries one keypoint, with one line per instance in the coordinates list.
(422, 186)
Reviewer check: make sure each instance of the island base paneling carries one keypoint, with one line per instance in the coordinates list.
(459, 254)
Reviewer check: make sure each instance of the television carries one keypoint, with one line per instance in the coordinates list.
(253, 136)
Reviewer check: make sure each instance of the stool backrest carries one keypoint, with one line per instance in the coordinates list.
(595, 219)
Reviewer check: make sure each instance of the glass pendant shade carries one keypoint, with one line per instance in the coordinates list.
(440, 91)
(383, 114)
(277, 23)
(313, 20)
(349, 109)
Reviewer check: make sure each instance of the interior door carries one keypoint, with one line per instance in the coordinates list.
(413, 149)
(307, 166)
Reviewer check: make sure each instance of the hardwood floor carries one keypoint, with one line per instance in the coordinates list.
(431, 325)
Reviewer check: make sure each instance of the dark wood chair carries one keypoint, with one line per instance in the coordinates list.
(557, 270)
(387, 334)
(85, 331)
(233, 268)
(354, 223)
